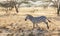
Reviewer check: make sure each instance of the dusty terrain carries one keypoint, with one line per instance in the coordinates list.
(14, 24)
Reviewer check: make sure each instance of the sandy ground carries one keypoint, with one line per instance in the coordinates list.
(14, 24)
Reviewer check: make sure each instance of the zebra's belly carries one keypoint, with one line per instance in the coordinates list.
(37, 22)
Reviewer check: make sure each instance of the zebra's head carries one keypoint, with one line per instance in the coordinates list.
(28, 17)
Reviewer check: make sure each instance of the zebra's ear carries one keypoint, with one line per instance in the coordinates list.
(27, 14)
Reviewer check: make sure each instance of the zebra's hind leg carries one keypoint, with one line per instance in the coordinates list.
(47, 25)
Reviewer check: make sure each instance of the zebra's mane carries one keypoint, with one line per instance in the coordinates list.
(29, 15)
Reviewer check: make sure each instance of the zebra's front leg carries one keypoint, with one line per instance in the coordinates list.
(37, 25)
(33, 26)
(47, 25)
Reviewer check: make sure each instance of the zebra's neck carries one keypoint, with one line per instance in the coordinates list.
(31, 18)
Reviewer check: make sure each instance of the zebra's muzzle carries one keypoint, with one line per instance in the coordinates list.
(25, 19)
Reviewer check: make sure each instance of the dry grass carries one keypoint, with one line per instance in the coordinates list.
(19, 18)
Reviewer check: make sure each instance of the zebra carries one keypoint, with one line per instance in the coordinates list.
(36, 20)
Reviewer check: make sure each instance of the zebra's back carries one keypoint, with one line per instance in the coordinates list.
(39, 19)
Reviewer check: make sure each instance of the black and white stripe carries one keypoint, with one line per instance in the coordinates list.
(36, 20)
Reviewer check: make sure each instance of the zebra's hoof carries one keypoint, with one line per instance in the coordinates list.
(48, 27)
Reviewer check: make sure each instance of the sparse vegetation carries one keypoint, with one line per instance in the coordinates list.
(14, 24)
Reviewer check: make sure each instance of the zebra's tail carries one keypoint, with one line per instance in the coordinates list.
(48, 20)
(52, 22)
